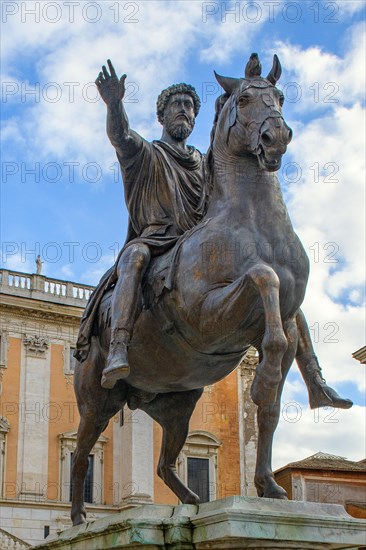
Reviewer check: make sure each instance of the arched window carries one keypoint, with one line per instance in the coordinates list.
(197, 464)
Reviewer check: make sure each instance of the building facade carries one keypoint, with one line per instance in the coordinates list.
(39, 418)
(327, 478)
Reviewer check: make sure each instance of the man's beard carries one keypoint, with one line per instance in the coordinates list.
(179, 130)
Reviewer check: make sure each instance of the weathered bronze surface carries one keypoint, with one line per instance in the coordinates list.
(211, 266)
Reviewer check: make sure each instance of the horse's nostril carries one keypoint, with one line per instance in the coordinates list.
(289, 135)
(266, 139)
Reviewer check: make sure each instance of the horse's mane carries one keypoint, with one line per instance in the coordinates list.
(219, 103)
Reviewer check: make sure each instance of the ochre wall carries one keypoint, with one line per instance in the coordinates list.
(284, 479)
(10, 410)
(357, 511)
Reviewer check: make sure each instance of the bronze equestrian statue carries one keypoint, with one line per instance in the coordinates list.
(179, 309)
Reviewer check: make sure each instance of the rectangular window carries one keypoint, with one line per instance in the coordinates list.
(88, 485)
(199, 477)
(72, 360)
(3, 349)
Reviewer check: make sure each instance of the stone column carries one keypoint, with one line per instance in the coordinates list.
(248, 429)
(33, 420)
(137, 459)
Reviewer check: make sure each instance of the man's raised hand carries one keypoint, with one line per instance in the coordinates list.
(111, 88)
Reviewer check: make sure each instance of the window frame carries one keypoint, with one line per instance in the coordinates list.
(88, 478)
(69, 348)
(207, 464)
(201, 444)
(4, 429)
(67, 447)
(3, 349)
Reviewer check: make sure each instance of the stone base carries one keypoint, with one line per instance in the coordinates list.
(232, 523)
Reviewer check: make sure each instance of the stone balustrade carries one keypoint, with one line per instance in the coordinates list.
(9, 542)
(44, 288)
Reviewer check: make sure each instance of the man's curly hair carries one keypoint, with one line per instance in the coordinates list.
(176, 89)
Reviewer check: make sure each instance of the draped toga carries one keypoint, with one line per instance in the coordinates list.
(166, 195)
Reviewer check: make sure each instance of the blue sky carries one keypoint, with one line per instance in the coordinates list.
(62, 195)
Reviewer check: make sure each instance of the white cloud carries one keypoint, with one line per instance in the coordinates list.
(324, 80)
(11, 131)
(153, 51)
(326, 204)
(17, 261)
(350, 7)
(329, 218)
(230, 28)
(302, 432)
(92, 275)
(67, 271)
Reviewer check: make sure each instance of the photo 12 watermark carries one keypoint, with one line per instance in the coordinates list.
(70, 12)
(271, 11)
(53, 92)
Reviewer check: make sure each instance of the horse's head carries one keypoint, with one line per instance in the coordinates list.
(251, 118)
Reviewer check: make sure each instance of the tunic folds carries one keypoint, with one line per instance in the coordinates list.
(166, 195)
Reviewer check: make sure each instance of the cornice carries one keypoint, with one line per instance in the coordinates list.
(37, 310)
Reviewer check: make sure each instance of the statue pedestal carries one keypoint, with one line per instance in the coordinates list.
(232, 523)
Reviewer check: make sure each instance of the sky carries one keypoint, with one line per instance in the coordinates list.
(62, 193)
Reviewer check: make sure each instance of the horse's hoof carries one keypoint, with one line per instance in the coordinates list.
(276, 492)
(271, 489)
(192, 498)
(78, 520)
(322, 395)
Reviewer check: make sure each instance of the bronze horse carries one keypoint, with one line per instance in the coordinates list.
(239, 280)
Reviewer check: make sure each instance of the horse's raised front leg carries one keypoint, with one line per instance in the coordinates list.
(274, 344)
(232, 307)
(173, 412)
(268, 416)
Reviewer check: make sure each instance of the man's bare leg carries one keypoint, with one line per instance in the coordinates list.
(125, 306)
(320, 394)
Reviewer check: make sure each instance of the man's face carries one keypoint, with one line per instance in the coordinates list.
(179, 116)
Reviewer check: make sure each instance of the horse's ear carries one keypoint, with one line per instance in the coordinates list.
(275, 72)
(227, 83)
(253, 68)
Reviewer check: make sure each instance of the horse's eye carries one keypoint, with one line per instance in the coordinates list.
(282, 99)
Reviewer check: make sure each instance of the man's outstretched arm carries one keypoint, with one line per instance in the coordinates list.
(112, 90)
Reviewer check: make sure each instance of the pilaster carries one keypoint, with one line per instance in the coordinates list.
(248, 429)
(137, 474)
